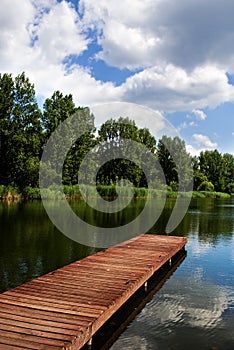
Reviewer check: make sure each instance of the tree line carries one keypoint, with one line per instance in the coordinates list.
(25, 129)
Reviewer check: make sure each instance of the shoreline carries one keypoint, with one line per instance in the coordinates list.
(73, 192)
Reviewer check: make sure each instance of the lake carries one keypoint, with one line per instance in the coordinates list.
(194, 309)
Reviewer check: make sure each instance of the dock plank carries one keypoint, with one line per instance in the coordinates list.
(64, 308)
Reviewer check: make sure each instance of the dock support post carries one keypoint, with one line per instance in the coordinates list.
(90, 342)
(146, 286)
(170, 262)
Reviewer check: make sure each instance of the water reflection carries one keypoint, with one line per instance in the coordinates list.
(30, 244)
(193, 310)
(190, 318)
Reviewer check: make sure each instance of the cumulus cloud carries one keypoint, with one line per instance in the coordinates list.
(182, 51)
(204, 142)
(38, 37)
(59, 34)
(186, 34)
(200, 115)
(171, 88)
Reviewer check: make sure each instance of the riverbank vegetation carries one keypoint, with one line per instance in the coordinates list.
(25, 129)
(72, 192)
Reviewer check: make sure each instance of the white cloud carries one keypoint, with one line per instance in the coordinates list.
(127, 41)
(171, 88)
(192, 124)
(186, 34)
(160, 37)
(200, 115)
(38, 33)
(192, 150)
(204, 142)
(14, 33)
(59, 34)
(182, 126)
(84, 88)
(36, 37)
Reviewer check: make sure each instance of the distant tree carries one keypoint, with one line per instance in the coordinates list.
(212, 166)
(206, 186)
(21, 136)
(228, 173)
(6, 107)
(57, 109)
(175, 161)
(80, 148)
(114, 132)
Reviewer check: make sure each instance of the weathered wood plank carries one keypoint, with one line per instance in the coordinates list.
(64, 308)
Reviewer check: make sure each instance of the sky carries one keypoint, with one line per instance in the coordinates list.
(174, 57)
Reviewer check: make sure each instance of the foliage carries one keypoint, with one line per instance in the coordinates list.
(112, 136)
(21, 132)
(31, 193)
(206, 186)
(175, 161)
(9, 192)
(25, 129)
(212, 166)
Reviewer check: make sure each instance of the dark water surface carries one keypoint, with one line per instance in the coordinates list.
(195, 307)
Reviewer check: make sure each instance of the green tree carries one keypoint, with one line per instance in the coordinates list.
(79, 149)
(6, 107)
(175, 161)
(206, 186)
(56, 110)
(60, 108)
(114, 133)
(21, 136)
(198, 176)
(228, 172)
(212, 166)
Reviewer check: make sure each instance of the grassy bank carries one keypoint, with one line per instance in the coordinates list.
(109, 192)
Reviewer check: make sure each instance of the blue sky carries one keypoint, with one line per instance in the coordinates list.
(175, 57)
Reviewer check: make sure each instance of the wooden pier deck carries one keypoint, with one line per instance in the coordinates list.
(64, 308)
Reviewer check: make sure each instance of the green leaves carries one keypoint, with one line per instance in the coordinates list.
(24, 130)
(218, 169)
(20, 131)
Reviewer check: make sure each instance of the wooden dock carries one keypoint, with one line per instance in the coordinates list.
(64, 308)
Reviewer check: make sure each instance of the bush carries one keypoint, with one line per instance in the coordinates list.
(197, 194)
(31, 193)
(174, 186)
(206, 186)
(9, 192)
(3, 191)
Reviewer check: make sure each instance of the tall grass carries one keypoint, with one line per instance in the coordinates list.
(210, 194)
(31, 193)
(75, 192)
(9, 193)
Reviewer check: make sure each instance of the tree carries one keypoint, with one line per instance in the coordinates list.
(6, 106)
(228, 172)
(175, 161)
(114, 133)
(60, 108)
(206, 186)
(79, 149)
(56, 110)
(21, 135)
(212, 166)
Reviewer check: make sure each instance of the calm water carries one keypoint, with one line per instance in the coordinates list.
(193, 310)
